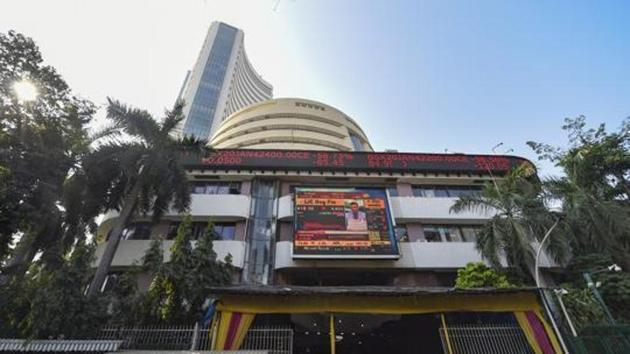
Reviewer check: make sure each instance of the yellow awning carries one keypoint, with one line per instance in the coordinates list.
(430, 303)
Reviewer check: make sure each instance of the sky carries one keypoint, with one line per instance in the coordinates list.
(418, 76)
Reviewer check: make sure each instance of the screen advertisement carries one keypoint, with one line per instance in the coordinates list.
(343, 223)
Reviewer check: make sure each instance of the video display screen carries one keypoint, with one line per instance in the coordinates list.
(343, 223)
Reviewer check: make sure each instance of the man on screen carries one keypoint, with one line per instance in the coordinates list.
(355, 219)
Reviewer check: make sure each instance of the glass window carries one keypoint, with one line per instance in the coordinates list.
(235, 188)
(212, 188)
(453, 234)
(199, 189)
(441, 192)
(215, 188)
(393, 191)
(356, 143)
(470, 233)
(400, 232)
(137, 231)
(423, 191)
(225, 231)
(432, 234)
(223, 188)
(445, 191)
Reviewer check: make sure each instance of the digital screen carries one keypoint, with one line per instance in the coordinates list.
(343, 223)
(356, 161)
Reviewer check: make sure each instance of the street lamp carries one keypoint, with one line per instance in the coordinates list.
(25, 90)
(593, 286)
(541, 245)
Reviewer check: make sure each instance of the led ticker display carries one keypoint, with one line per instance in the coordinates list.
(343, 223)
(357, 161)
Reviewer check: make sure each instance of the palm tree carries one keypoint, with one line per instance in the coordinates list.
(143, 174)
(595, 221)
(519, 219)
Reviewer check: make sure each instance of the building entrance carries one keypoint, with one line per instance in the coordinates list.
(365, 333)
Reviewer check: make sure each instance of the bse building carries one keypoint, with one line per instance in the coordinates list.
(350, 250)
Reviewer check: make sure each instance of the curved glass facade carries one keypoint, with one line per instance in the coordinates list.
(204, 105)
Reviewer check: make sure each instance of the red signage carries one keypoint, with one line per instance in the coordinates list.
(357, 161)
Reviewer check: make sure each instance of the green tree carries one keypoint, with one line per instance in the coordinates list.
(594, 188)
(613, 286)
(478, 275)
(519, 218)
(50, 303)
(143, 174)
(181, 286)
(41, 144)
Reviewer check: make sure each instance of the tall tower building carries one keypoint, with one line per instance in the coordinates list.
(221, 82)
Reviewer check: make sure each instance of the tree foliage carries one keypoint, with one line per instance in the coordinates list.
(478, 275)
(143, 174)
(51, 303)
(594, 190)
(518, 219)
(180, 287)
(41, 145)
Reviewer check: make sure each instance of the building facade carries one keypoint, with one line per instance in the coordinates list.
(221, 82)
(339, 249)
(248, 189)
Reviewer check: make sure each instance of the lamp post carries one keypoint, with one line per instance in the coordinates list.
(593, 286)
(541, 245)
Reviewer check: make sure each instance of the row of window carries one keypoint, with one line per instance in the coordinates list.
(209, 187)
(450, 233)
(142, 231)
(437, 191)
(445, 191)
(424, 191)
(441, 233)
(226, 231)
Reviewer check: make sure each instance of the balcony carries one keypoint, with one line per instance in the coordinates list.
(130, 252)
(431, 210)
(408, 209)
(227, 207)
(413, 255)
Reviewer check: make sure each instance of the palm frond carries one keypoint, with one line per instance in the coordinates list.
(133, 121)
(172, 118)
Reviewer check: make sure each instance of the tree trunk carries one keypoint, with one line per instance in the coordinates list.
(25, 251)
(123, 219)
(17, 265)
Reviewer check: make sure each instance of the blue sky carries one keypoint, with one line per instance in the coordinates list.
(417, 75)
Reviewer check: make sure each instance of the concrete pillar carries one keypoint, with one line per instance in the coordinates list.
(415, 233)
(404, 190)
(285, 231)
(246, 187)
(239, 231)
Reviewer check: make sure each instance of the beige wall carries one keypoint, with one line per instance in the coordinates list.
(289, 123)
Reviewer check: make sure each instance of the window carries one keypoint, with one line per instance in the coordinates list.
(393, 191)
(432, 234)
(400, 231)
(356, 143)
(137, 231)
(206, 187)
(445, 191)
(450, 233)
(223, 231)
(470, 233)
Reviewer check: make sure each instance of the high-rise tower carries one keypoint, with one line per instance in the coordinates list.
(221, 82)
